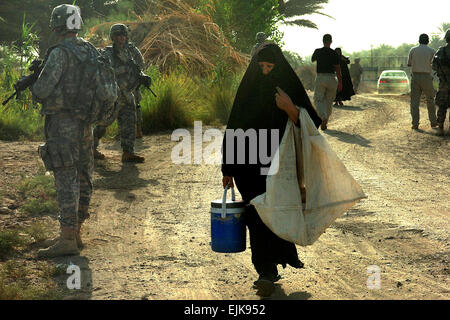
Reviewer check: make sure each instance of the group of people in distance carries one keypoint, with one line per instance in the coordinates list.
(269, 94)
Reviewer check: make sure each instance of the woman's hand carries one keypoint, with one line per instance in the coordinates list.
(228, 180)
(284, 102)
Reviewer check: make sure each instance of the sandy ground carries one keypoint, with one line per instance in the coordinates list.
(149, 234)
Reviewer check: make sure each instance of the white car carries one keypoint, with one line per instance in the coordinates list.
(393, 81)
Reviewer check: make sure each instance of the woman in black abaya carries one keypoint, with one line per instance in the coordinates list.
(270, 92)
(347, 86)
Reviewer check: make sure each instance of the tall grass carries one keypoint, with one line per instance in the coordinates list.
(19, 119)
(182, 99)
(19, 124)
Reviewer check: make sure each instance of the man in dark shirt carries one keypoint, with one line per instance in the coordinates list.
(326, 83)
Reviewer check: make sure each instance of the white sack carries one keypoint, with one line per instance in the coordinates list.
(330, 189)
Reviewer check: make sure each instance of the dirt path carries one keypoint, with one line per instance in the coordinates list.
(149, 238)
(149, 235)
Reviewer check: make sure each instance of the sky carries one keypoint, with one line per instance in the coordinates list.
(358, 24)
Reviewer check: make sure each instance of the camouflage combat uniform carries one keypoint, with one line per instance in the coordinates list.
(69, 140)
(441, 64)
(127, 78)
(260, 38)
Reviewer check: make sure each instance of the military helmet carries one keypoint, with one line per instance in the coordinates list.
(260, 37)
(118, 29)
(66, 16)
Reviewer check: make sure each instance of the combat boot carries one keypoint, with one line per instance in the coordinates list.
(139, 133)
(131, 157)
(50, 242)
(66, 245)
(98, 155)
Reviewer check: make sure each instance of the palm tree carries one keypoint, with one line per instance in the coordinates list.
(292, 9)
(444, 27)
(437, 39)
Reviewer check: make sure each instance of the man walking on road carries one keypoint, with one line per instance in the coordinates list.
(420, 58)
(355, 73)
(326, 84)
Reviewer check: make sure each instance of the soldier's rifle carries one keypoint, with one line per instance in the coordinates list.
(26, 81)
(143, 79)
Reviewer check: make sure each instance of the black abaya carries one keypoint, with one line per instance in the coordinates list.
(347, 86)
(255, 108)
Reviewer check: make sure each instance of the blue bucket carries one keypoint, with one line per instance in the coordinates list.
(228, 233)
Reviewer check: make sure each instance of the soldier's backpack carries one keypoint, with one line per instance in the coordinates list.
(97, 87)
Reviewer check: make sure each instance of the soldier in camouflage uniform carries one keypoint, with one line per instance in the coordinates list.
(68, 150)
(260, 38)
(123, 55)
(441, 64)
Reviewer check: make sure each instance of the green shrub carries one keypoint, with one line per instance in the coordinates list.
(174, 105)
(9, 239)
(21, 125)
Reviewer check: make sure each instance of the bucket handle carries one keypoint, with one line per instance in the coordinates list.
(224, 200)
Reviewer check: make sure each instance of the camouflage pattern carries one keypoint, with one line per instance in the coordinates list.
(57, 85)
(99, 132)
(118, 29)
(126, 77)
(60, 18)
(441, 64)
(73, 181)
(68, 149)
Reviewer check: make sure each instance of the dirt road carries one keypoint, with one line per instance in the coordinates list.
(148, 237)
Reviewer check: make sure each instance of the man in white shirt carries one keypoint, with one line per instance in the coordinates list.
(420, 59)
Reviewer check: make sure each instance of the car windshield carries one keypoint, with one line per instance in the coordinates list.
(394, 74)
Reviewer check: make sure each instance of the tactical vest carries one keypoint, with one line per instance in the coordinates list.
(65, 92)
(126, 70)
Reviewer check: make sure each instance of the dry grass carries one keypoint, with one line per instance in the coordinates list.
(171, 33)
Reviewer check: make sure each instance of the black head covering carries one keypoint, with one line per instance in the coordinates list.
(255, 106)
